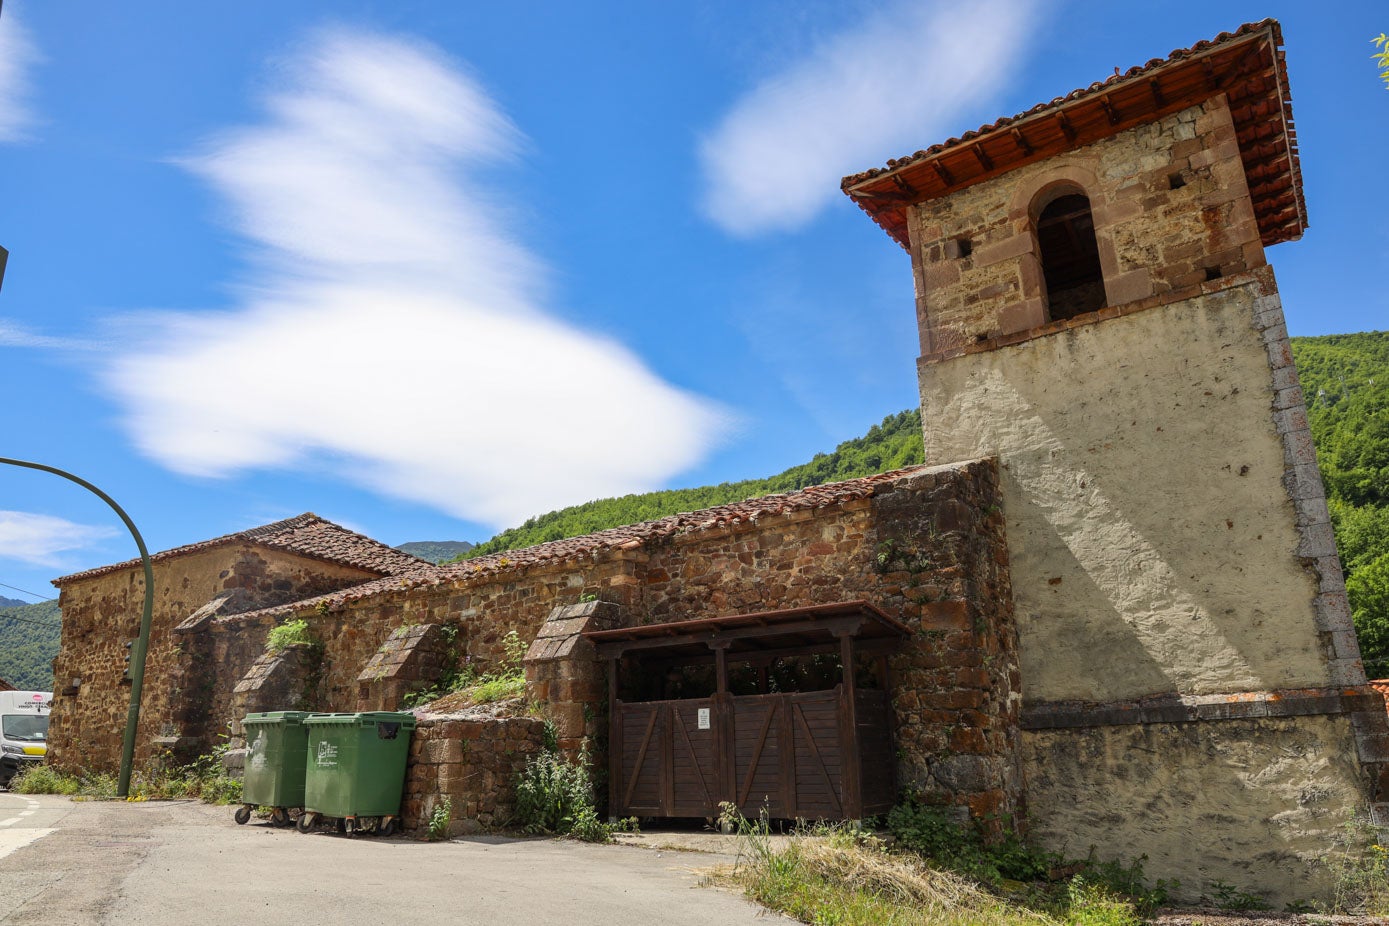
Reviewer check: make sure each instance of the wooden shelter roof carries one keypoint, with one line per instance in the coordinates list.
(1248, 65)
(759, 631)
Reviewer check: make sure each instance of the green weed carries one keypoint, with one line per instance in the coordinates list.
(1359, 867)
(931, 833)
(439, 819)
(1228, 897)
(290, 633)
(508, 681)
(555, 796)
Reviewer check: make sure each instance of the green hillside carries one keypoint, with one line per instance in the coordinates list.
(28, 643)
(1345, 380)
(436, 551)
(891, 445)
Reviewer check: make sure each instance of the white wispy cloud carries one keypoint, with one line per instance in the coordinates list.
(17, 334)
(39, 539)
(17, 55)
(894, 83)
(394, 331)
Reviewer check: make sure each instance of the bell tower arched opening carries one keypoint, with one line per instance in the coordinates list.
(1070, 257)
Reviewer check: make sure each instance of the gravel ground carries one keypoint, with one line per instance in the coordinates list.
(1204, 917)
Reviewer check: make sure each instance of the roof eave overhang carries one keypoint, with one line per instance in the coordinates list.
(1248, 66)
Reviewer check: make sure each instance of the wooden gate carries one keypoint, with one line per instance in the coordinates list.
(669, 765)
(785, 750)
(816, 755)
(788, 755)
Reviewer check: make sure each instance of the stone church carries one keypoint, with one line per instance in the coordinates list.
(1109, 607)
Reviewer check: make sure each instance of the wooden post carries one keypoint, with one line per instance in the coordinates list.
(851, 762)
(786, 754)
(614, 740)
(723, 721)
(667, 754)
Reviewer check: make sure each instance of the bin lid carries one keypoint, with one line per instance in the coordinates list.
(365, 719)
(286, 717)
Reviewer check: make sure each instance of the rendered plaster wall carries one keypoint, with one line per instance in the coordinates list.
(102, 613)
(1253, 803)
(1169, 201)
(1149, 476)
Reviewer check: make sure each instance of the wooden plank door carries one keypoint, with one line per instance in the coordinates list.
(694, 759)
(764, 780)
(639, 788)
(819, 766)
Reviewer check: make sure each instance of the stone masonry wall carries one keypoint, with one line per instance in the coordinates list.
(927, 547)
(102, 613)
(1170, 205)
(473, 759)
(929, 550)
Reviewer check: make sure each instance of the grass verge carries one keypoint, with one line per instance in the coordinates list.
(202, 778)
(830, 876)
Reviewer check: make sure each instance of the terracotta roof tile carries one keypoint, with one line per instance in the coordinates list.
(305, 535)
(1259, 100)
(630, 536)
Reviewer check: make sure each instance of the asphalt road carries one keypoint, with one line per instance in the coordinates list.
(187, 863)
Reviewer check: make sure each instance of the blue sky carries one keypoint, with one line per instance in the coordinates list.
(429, 268)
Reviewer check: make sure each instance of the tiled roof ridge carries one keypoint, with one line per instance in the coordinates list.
(383, 559)
(613, 538)
(1077, 94)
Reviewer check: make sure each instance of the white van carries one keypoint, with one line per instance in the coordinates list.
(23, 730)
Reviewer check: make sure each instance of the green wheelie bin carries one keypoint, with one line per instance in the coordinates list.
(276, 749)
(356, 770)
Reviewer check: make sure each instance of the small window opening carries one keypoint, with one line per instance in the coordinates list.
(1212, 273)
(957, 248)
(1070, 257)
(1176, 181)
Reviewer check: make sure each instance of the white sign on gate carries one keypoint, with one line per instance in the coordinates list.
(704, 718)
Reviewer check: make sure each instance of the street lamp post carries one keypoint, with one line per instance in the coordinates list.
(137, 655)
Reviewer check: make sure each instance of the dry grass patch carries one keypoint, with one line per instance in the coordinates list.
(840, 880)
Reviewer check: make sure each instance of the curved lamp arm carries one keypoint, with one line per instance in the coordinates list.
(137, 655)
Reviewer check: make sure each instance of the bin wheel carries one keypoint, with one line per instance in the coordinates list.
(349, 827)
(243, 813)
(279, 817)
(340, 825)
(388, 827)
(306, 821)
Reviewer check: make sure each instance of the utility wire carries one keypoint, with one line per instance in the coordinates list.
(29, 620)
(16, 587)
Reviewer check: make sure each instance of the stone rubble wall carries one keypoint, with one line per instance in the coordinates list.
(472, 758)
(943, 571)
(413, 658)
(102, 613)
(1170, 205)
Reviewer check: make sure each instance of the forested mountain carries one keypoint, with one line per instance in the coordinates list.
(28, 643)
(11, 602)
(436, 551)
(891, 445)
(1345, 380)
